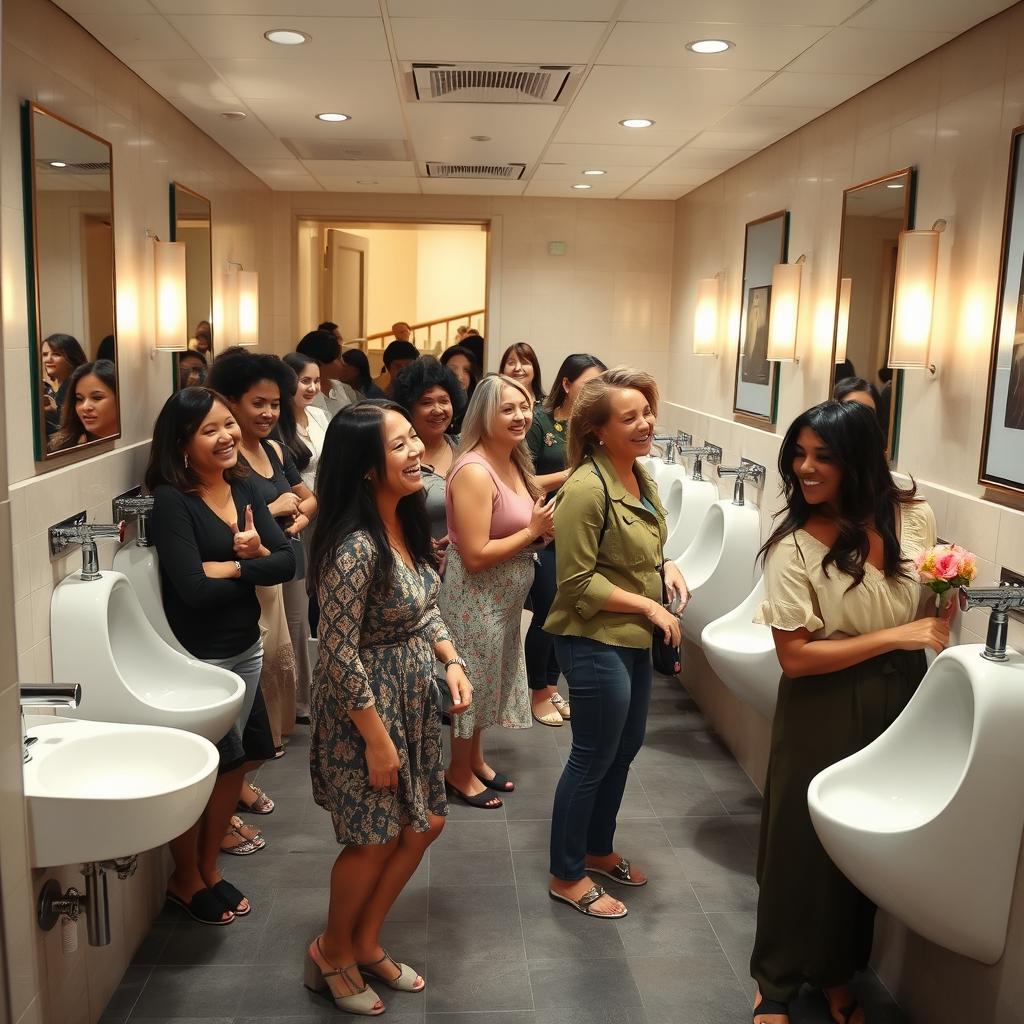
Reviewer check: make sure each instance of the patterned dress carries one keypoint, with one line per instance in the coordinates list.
(376, 650)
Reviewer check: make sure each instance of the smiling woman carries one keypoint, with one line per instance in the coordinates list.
(89, 413)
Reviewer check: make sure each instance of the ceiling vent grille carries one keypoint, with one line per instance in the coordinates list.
(99, 167)
(491, 83)
(506, 172)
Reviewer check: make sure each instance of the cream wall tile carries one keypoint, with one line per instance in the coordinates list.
(1010, 545)
(974, 525)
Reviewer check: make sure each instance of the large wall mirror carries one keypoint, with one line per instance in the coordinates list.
(190, 223)
(874, 214)
(70, 256)
(757, 380)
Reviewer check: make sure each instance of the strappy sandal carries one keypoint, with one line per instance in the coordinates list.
(620, 873)
(261, 805)
(551, 718)
(406, 980)
(586, 901)
(481, 800)
(561, 705)
(249, 839)
(769, 1008)
(230, 897)
(360, 1001)
(204, 907)
(499, 783)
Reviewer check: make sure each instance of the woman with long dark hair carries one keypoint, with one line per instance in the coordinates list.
(843, 601)
(217, 542)
(61, 355)
(89, 412)
(546, 440)
(520, 362)
(355, 372)
(375, 741)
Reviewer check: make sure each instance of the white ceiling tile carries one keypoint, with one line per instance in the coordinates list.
(192, 81)
(245, 140)
(478, 39)
(694, 166)
(571, 173)
(345, 183)
(361, 168)
(280, 9)
(657, 191)
(760, 47)
(558, 190)
(136, 36)
(790, 89)
(747, 142)
(109, 7)
(375, 115)
(284, 174)
(743, 12)
(940, 15)
(597, 156)
(536, 10)
(359, 85)
(470, 187)
(333, 40)
(857, 51)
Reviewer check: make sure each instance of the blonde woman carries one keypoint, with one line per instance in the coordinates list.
(496, 516)
(611, 531)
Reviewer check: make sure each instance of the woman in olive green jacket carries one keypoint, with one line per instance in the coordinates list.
(608, 603)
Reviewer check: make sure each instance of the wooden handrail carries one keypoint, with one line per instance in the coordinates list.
(380, 335)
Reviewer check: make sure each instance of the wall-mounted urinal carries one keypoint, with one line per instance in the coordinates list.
(742, 654)
(927, 820)
(141, 565)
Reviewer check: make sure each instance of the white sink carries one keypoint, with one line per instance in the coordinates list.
(99, 790)
(102, 639)
(927, 820)
(742, 653)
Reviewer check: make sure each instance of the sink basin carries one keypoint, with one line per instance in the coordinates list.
(100, 790)
(103, 640)
(927, 820)
(742, 653)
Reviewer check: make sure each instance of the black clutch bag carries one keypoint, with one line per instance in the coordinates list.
(665, 658)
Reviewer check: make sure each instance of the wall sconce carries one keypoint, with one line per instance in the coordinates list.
(785, 311)
(171, 334)
(248, 308)
(705, 317)
(917, 262)
(843, 319)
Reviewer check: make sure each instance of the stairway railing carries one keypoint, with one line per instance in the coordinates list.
(431, 336)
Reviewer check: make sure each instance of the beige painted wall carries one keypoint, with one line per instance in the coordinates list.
(451, 272)
(950, 114)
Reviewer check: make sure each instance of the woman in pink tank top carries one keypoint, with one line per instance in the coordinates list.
(496, 515)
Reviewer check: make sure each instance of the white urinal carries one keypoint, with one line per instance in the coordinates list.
(927, 820)
(654, 464)
(718, 565)
(695, 497)
(742, 653)
(141, 565)
(673, 481)
(102, 639)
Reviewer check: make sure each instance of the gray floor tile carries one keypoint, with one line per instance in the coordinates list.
(591, 1015)
(489, 867)
(236, 943)
(554, 931)
(490, 1017)
(583, 984)
(153, 944)
(531, 834)
(690, 986)
(191, 991)
(127, 993)
(711, 847)
(452, 988)
(727, 895)
(473, 836)
(474, 923)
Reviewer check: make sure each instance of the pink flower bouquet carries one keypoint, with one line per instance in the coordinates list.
(944, 568)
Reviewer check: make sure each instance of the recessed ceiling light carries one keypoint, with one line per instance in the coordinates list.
(594, 171)
(287, 37)
(710, 45)
(583, 186)
(332, 116)
(637, 122)
(233, 115)
(895, 184)
(57, 163)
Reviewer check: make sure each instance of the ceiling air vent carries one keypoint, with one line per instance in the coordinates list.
(99, 167)
(508, 172)
(492, 83)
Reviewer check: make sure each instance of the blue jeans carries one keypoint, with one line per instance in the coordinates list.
(542, 669)
(610, 690)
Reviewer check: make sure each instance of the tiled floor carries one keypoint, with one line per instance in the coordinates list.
(476, 919)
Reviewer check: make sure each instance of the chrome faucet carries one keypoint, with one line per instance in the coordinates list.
(77, 531)
(706, 452)
(1000, 599)
(44, 695)
(139, 505)
(746, 470)
(668, 448)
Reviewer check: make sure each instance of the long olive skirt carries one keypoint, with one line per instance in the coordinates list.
(813, 926)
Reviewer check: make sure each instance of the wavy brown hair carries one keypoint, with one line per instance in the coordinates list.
(592, 408)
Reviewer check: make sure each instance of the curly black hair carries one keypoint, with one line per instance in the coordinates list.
(423, 374)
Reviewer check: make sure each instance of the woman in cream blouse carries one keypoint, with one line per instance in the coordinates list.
(843, 602)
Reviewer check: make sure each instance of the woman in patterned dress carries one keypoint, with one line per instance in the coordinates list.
(375, 732)
(496, 516)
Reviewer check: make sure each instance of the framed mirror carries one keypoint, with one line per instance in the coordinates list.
(68, 175)
(755, 397)
(191, 224)
(874, 214)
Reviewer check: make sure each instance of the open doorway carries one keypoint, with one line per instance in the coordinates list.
(367, 276)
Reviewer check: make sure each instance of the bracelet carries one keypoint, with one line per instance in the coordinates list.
(457, 660)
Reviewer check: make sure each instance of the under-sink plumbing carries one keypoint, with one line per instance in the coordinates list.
(1001, 599)
(746, 470)
(135, 503)
(707, 452)
(75, 530)
(54, 904)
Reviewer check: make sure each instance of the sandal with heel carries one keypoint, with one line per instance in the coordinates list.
(360, 1001)
(406, 980)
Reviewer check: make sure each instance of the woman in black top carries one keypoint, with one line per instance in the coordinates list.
(216, 541)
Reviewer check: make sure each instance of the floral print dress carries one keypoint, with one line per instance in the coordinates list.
(376, 650)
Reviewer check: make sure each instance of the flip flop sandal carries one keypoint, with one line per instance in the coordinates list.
(500, 783)
(204, 907)
(406, 980)
(561, 705)
(552, 718)
(261, 805)
(230, 897)
(481, 800)
(619, 873)
(586, 901)
(768, 1008)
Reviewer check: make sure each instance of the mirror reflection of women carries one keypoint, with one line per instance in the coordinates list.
(217, 542)
(90, 409)
(192, 367)
(355, 372)
(61, 355)
(843, 600)
(203, 340)
(521, 364)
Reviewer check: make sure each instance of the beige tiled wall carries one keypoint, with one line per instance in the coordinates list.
(950, 115)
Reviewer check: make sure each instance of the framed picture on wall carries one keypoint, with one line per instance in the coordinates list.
(1002, 449)
(757, 380)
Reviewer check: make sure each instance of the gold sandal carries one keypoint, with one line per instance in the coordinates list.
(361, 1001)
(561, 705)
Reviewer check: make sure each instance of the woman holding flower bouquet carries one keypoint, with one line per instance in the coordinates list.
(843, 600)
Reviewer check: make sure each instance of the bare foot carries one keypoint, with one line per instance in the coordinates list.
(604, 906)
(607, 863)
(768, 1018)
(840, 998)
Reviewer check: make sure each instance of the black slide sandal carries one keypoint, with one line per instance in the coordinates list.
(481, 800)
(230, 897)
(500, 783)
(204, 907)
(770, 1007)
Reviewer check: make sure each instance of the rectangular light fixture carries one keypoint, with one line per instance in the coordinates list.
(843, 319)
(917, 262)
(169, 285)
(784, 313)
(248, 307)
(705, 318)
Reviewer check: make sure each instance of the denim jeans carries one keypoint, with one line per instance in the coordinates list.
(610, 690)
(542, 668)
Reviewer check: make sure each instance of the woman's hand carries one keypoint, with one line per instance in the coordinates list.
(676, 587)
(922, 634)
(382, 764)
(460, 689)
(542, 521)
(300, 522)
(663, 619)
(247, 540)
(49, 403)
(285, 505)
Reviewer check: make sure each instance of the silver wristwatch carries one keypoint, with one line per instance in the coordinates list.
(457, 660)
